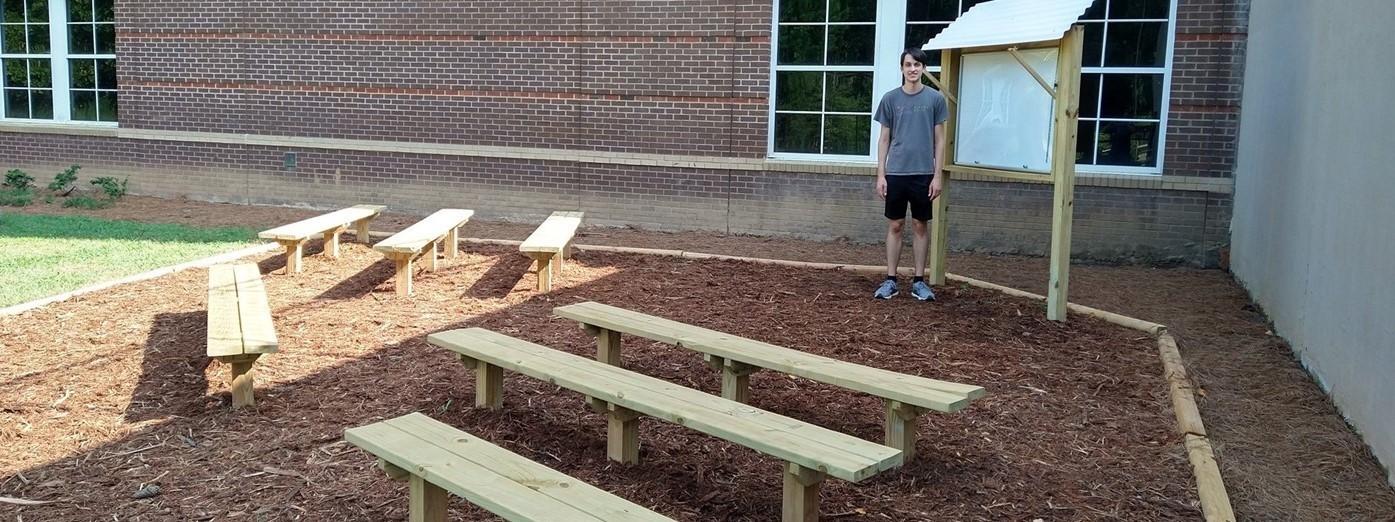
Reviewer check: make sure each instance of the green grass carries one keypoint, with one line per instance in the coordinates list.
(48, 255)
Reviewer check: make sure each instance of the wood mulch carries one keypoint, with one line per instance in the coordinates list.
(107, 393)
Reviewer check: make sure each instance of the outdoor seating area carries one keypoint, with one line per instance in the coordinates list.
(293, 236)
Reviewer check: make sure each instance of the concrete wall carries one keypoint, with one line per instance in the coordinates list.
(1312, 232)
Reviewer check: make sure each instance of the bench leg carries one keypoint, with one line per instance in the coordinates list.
(622, 435)
(403, 264)
(544, 271)
(900, 428)
(452, 247)
(489, 385)
(429, 255)
(361, 227)
(801, 502)
(242, 380)
(428, 501)
(736, 377)
(295, 249)
(332, 242)
(607, 351)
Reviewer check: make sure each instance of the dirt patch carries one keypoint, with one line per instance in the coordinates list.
(110, 391)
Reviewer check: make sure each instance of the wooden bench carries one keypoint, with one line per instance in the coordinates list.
(239, 324)
(550, 243)
(420, 239)
(811, 453)
(905, 396)
(435, 459)
(294, 235)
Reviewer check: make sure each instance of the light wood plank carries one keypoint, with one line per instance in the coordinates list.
(935, 394)
(1067, 112)
(306, 228)
(416, 237)
(258, 331)
(811, 446)
(554, 234)
(224, 322)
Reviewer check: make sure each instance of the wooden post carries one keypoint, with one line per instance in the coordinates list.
(544, 261)
(453, 243)
(428, 501)
(607, 351)
(294, 249)
(622, 435)
(361, 227)
(403, 264)
(939, 226)
(900, 427)
(332, 241)
(429, 254)
(1067, 112)
(801, 502)
(489, 385)
(736, 379)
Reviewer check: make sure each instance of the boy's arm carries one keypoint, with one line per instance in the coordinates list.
(937, 182)
(883, 148)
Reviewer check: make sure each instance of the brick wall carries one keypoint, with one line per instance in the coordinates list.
(649, 79)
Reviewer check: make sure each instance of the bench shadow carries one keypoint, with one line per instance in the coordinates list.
(363, 282)
(501, 278)
(172, 381)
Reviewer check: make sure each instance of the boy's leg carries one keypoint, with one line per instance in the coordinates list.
(893, 245)
(921, 244)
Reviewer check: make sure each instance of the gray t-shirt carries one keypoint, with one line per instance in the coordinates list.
(912, 119)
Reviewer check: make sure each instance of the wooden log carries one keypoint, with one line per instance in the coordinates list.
(1215, 502)
(1180, 388)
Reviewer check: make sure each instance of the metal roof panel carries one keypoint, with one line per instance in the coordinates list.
(1005, 22)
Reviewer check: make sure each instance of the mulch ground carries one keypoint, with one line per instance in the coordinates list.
(110, 392)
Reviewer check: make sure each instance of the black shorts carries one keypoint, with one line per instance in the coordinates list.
(903, 190)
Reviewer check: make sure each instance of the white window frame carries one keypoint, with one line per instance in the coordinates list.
(58, 57)
(891, 26)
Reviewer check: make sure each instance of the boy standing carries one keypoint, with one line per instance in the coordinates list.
(910, 165)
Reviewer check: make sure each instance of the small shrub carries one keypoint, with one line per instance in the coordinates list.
(18, 179)
(16, 197)
(113, 188)
(87, 202)
(48, 199)
(64, 179)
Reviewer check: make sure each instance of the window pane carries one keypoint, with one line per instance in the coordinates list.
(852, 44)
(801, 10)
(918, 34)
(1092, 49)
(38, 11)
(1089, 95)
(106, 74)
(850, 92)
(38, 38)
(12, 39)
(105, 12)
(80, 39)
(852, 10)
(847, 135)
(80, 10)
(43, 104)
(106, 39)
(81, 74)
(1131, 96)
(1136, 44)
(84, 105)
(932, 10)
(16, 73)
(40, 74)
(1085, 143)
(16, 103)
(14, 11)
(1136, 9)
(1095, 12)
(798, 91)
(1130, 144)
(106, 106)
(797, 133)
(968, 4)
(801, 45)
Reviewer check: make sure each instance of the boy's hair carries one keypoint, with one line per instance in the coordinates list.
(916, 54)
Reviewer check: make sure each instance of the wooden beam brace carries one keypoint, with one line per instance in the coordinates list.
(1050, 89)
(936, 82)
(801, 502)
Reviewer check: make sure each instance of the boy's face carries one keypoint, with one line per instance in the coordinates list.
(911, 69)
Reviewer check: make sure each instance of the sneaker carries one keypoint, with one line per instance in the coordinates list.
(920, 290)
(887, 290)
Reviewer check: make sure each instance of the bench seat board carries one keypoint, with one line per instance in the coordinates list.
(489, 476)
(258, 332)
(553, 234)
(919, 391)
(807, 445)
(415, 238)
(224, 321)
(306, 228)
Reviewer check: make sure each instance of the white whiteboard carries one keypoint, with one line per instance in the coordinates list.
(1005, 117)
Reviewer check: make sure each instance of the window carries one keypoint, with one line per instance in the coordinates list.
(834, 59)
(58, 60)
